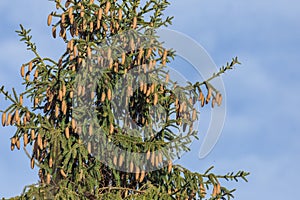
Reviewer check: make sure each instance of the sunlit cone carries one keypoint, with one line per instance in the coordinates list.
(170, 165)
(17, 116)
(98, 24)
(32, 134)
(112, 27)
(107, 7)
(27, 78)
(123, 58)
(21, 100)
(54, 31)
(79, 90)
(154, 64)
(160, 158)
(63, 18)
(153, 158)
(64, 107)
(134, 23)
(67, 132)
(104, 26)
(32, 163)
(111, 129)
(201, 96)
(9, 119)
(91, 26)
(12, 146)
(62, 172)
(152, 88)
(131, 166)
(71, 94)
(30, 66)
(3, 118)
(142, 176)
(45, 143)
(203, 103)
(50, 162)
(202, 190)
(109, 53)
(57, 5)
(111, 62)
(40, 142)
(121, 160)
(99, 14)
(89, 52)
(72, 22)
(36, 74)
(103, 96)
(162, 88)
(109, 95)
(148, 91)
(141, 53)
(213, 102)
(181, 106)
(73, 124)
(64, 90)
(219, 99)
(62, 33)
(191, 101)
(22, 70)
(18, 143)
(215, 191)
(141, 86)
(137, 173)
(156, 161)
(145, 89)
(70, 15)
(177, 103)
(148, 154)
(91, 129)
(184, 107)
(164, 58)
(82, 11)
(89, 147)
(68, 2)
(25, 139)
(75, 51)
(60, 95)
(149, 52)
(13, 140)
(49, 19)
(76, 30)
(218, 188)
(48, 180)
(81, 174)
(167, 78)
(194, 115)
(115, 160)
(209, 93)
(56, 110)
(120, 14)
(132, 44)
(27, 116)
(160, 52)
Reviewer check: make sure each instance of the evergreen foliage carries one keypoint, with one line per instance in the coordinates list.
(70, 144)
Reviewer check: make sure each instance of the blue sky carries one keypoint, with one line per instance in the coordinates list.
(261, 132)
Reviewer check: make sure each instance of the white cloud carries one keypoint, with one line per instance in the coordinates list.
(232, 27)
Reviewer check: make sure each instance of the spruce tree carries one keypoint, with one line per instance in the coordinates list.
(106, 120)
